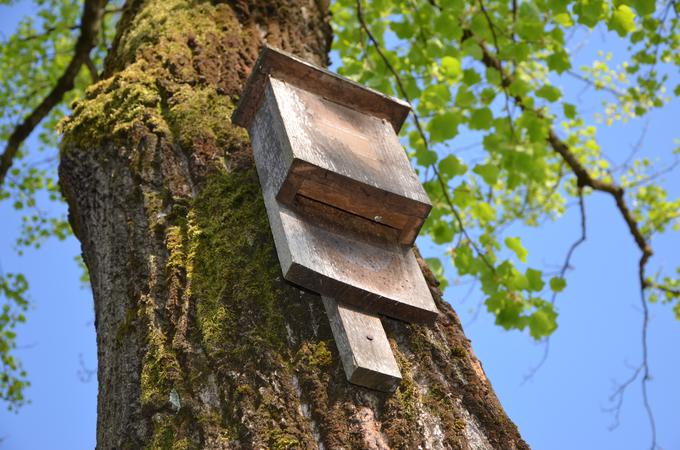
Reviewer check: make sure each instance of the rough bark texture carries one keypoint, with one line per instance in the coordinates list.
(201, 343)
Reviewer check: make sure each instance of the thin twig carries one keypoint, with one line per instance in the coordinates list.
(636, 148)
(642, 371)
(563, 270)
(532, 371)
(579, 241)
(45, 32)
(651, 177)
(590, 82)
(492, 27)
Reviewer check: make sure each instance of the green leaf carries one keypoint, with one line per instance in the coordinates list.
(542, 322)
(563, 19)
(519, 87)
(535, 278)
(471, 77)
(447, 25)
(590, 12)
(622, 20)
(462, 196)
(514, 244)
(550, 93)
(530, 26)
(462, 259)
(481, 119)
(519, 282)
(442, 233)
(451, 167)
(557, 284)
(484, 212)
(537, 129)
(558, 61)
(403, 30)
(645, 7)
(443, 127)
(451, 67)
(558, 6)
(508, 310)
(426, 157)
(569, 110)
(464, 97)
(488, 172)
(472, 49)
(493, 76)
(435, 97)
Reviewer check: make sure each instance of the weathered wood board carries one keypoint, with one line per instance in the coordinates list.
(279, 64)
(334, 257)
(363, 346)
(338, 144)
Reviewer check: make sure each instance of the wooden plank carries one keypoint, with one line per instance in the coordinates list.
(347, 159)
(332, 258)
(363, 346)
(315, 79)
(377, 276)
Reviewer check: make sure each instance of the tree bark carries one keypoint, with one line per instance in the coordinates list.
(201, 344)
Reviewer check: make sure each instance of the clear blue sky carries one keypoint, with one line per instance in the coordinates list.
(560, 408)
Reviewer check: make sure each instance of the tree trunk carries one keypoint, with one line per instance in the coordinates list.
(201, 344)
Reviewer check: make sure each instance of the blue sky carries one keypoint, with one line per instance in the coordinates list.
(561, 407)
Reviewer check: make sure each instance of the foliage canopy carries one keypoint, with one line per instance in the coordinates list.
(486, 72)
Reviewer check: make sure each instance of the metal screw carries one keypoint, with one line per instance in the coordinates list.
(378, 219)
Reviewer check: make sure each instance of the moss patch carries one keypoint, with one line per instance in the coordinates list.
(197, 114)
(112, 106)
(160, 371)
(282, 441)
(170, 62)
(165, 436)
(316, 355)
(400, 423)
(234, 269)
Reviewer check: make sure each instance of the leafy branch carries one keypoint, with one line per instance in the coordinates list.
(89, 27)
(584, 179)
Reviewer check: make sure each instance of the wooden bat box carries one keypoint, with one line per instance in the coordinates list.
(344, 204)
(338, 145)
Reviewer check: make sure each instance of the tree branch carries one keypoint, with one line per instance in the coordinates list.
(584, 179)
(94, 75)
(89, 25)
